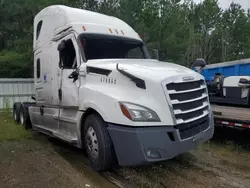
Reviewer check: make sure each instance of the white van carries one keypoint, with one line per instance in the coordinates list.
(97, 88)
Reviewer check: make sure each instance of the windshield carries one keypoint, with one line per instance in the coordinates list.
(107, 47)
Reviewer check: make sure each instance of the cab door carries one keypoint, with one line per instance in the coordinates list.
(68, 86)
(68, 68)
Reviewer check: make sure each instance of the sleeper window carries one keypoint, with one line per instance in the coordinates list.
(38, 29)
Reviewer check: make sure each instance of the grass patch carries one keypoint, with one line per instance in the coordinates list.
(9, 131)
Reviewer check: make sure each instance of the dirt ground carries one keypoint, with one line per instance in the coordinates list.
(43, 162)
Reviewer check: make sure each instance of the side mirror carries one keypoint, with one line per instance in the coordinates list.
(155, 54)
(199, 63)
(61, 46)
(74, 75)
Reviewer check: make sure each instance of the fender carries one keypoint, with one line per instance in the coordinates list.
(93, 106)
(80, 116)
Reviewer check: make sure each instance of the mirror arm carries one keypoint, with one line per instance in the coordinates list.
(60, 61)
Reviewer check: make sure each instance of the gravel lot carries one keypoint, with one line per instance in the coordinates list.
(41, 162)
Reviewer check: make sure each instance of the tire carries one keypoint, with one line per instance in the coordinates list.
(21, 115)
(98, 144)
(16, 112)
(25, 118)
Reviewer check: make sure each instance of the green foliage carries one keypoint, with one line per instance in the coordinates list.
(16, 65)
(181, 31)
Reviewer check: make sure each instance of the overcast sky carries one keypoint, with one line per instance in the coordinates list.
(225, 3)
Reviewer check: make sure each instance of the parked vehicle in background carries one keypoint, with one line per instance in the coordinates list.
(96, 88)
(229, 92)
(230, 68)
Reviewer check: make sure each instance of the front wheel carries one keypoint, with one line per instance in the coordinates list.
(98, 144)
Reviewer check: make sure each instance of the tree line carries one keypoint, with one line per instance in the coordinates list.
(181, 31)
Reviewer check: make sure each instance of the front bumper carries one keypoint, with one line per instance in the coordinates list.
(131, 144)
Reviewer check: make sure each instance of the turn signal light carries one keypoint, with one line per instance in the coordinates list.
(125, 111)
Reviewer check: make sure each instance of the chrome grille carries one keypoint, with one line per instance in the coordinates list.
(188, 130)
(190, 115)
(187, 96)
(189, 100)
(185, 85)
(188, 106)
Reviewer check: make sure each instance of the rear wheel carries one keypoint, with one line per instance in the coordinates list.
(98, 144)
(16, 112)
(22, 116)
(15, 115)
(25, 118)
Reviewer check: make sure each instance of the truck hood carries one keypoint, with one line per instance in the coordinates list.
(143, 68)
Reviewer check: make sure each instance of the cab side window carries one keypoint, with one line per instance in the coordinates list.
(38, 68)
(68, 56)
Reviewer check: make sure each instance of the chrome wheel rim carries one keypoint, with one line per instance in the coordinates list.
(21, 118)
(91, 143)
(15, 116)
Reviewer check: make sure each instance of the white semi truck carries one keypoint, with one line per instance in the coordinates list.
(96, 88)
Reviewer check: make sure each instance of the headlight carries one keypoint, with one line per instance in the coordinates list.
(136, 112)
